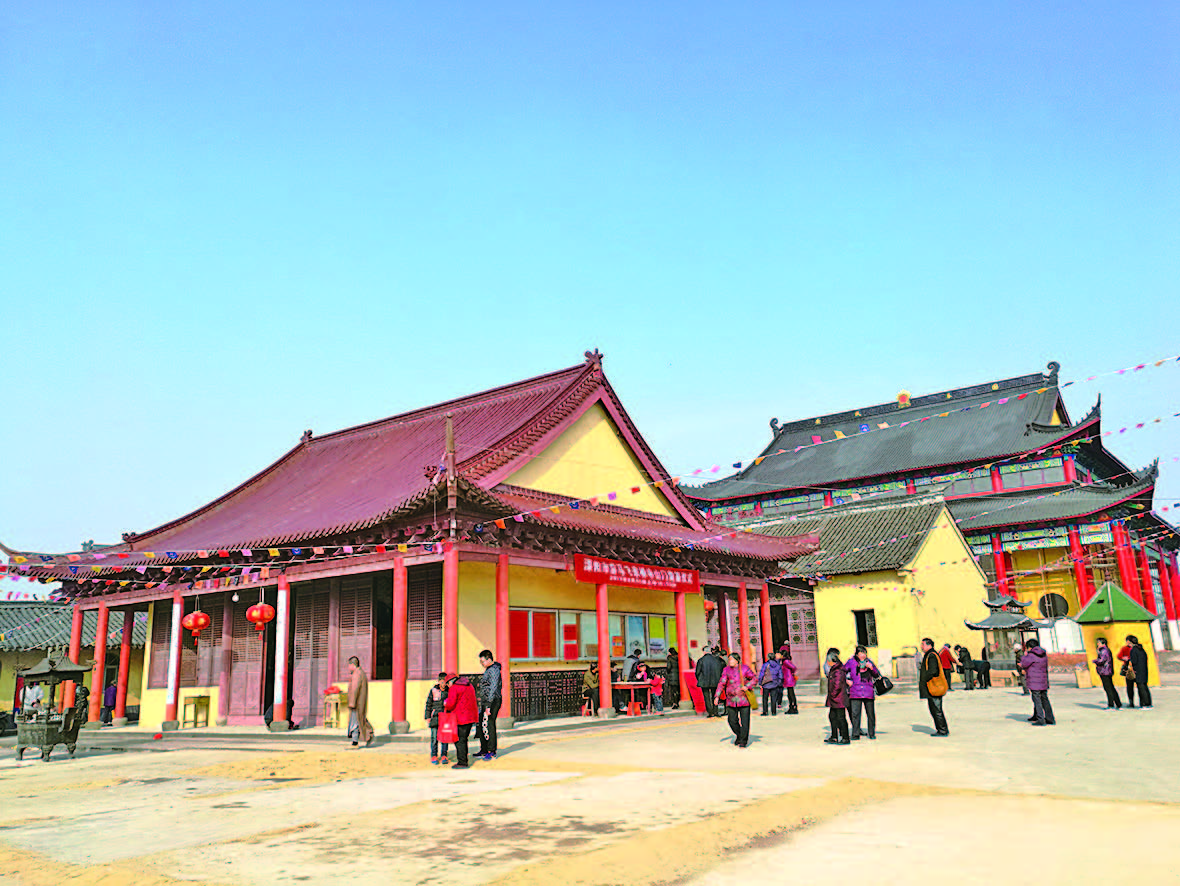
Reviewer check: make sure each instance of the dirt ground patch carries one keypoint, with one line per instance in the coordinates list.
(313, 767)
(676, 854)
(33, 869)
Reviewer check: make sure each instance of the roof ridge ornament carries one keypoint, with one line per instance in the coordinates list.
(1054, 367)
(306, 438)
(594, 358)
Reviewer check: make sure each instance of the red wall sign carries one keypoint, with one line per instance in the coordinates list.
(599, 570)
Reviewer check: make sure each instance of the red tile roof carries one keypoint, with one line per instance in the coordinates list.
(362, 476)
(614, 521)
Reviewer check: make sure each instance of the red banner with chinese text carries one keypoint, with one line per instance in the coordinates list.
(600, 570)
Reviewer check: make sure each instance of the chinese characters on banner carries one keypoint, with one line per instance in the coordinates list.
(600, 570)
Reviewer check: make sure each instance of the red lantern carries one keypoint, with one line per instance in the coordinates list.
(259, 614)
(195, 622)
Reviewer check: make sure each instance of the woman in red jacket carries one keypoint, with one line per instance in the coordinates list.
(461, 702)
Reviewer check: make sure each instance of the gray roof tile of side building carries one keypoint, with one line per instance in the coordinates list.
(1040, 506)
(862, 538)
(1016, 419)
(26, 625)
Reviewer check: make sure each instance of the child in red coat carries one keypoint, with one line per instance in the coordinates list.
(461, 702)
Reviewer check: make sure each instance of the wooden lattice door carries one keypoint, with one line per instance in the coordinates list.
(248, 669)
(310, 675)
(356, 623)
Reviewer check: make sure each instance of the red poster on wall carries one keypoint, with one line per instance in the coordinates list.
(600, 570)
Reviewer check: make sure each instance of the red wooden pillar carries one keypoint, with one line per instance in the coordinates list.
(450, 608)
(1145, 581)
(401, 648)
(119, 715)
(997, 479)
(910, 488)
(69, 691)
(282, 655)
(682, 638)
(1071, 469)
(1174, 581)
(723, 621)
(226, 665)
(602, 614)
(502, 649)
(764, 612)
(1002, 580)
(172, 699)
(98, 679)
(828, 499)
(1165, 577)
(1080, 573)
(744, 624)
(1126, 562)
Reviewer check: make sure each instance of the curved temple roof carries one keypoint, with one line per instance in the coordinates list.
(982, 422)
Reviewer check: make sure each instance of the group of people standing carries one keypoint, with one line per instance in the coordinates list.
(853, 686)
(1133, 669)
(452, 693)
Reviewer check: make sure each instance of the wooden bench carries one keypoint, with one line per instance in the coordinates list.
(199, 705)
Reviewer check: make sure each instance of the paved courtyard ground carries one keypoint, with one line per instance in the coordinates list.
(666, 801)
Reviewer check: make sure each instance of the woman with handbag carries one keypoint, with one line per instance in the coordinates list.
(770, 678)
(932, 686)
(737, 688)
(862, 692)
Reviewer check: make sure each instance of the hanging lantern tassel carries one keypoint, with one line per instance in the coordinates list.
(259, 614)
(195, 622)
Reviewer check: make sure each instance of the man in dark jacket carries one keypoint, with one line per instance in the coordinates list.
(1104, 665)
(930, 668)
(1138, 663)
(490, 696)
(1035, 664)
(967, 666)
(708, 674)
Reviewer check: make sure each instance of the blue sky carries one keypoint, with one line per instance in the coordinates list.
(226, 223)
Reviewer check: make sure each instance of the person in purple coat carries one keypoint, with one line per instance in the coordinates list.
(788, 669)
(770, 678)
(861, 691)
(1035, 664)
(1104, 665)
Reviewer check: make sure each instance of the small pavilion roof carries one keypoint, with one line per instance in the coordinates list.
(1111, 603)
(1003, 602)
(999, 620)
(862, 538)
(1039, 506)
(983, 422)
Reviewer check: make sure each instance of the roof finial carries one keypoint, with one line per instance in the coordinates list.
(1054, 367)
(594, 358)
(774, 426)
(306, 438)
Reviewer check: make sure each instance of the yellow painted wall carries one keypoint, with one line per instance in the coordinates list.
(1030, 588)
(952, 591)
(591, 458)
(1116, 637)
(10, 662)
(531, 587)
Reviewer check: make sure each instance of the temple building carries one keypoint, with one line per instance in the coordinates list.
(1049, 511)
(531, 519)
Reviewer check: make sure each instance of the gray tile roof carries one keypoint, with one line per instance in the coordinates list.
(968, 434)
(42, 624)
(977, 514)
(863, 538)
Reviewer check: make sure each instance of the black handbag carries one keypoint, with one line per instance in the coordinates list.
(882, 684)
